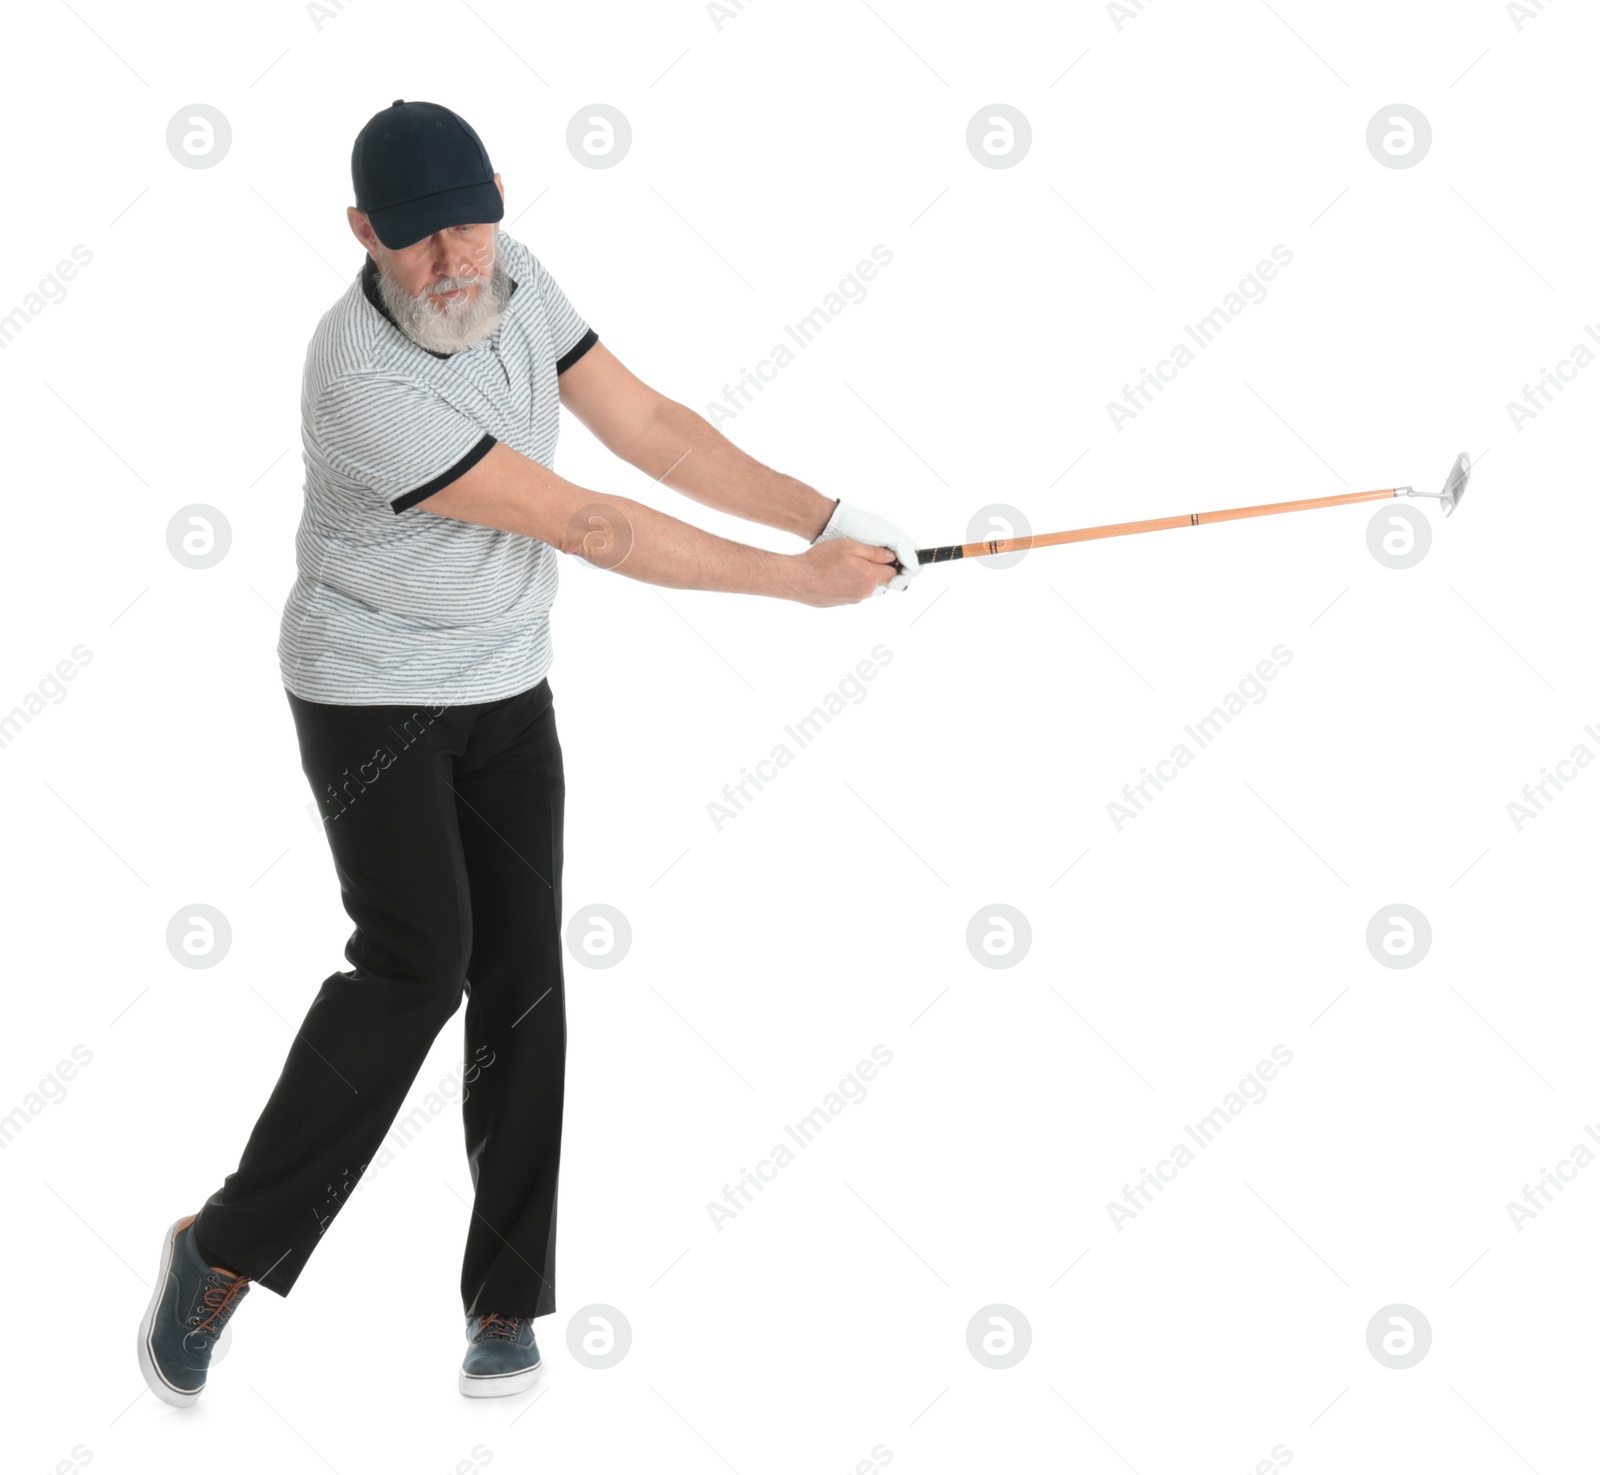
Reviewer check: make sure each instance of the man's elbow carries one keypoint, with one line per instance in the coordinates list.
(669, 434)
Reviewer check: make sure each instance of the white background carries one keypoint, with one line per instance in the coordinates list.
(770, 153)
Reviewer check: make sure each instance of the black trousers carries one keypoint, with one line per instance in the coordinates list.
(445, 826)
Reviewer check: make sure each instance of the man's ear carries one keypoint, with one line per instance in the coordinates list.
(361, 227)
(501, 187)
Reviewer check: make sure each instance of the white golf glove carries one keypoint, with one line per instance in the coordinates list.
(868, 527)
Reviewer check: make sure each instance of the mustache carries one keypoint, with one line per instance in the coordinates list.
(455, 284)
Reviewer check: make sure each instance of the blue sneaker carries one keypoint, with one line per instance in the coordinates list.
(502, 1356)
(186, 1319)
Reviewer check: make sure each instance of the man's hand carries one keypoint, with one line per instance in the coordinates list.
(851, 522)
(839, 571)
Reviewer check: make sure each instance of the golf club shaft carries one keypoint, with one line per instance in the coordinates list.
(1149, 525)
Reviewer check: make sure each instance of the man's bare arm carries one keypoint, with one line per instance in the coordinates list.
(683, 450)
(510, 491)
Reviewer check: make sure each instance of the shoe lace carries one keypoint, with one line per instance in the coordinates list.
(499, 1326)
(222, 1294)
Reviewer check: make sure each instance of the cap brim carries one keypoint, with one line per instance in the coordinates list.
(398, 226)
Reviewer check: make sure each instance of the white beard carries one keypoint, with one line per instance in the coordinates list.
(448, 327)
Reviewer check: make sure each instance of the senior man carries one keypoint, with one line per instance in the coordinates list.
(414, 649)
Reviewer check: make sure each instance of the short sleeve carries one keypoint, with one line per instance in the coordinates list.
(396, 437)
(572, 335)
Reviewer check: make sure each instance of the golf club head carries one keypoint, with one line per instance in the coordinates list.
(1455, 485)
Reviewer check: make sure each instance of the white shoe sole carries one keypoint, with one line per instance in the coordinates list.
(501, 1386)
(158, 1385)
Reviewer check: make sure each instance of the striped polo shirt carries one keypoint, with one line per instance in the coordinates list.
(394, 603)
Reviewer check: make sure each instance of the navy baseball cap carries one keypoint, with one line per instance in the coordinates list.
(419, 168)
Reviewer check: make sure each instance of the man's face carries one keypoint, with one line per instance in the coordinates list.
(438, 265)
(445, 290)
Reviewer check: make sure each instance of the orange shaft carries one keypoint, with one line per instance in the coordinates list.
(1158, 524)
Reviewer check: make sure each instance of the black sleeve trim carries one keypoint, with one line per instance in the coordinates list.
(577, 351)
(410, 499)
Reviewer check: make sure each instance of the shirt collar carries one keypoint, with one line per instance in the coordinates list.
(369, 289)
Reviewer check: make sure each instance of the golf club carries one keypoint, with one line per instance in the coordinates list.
(1454, 487)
